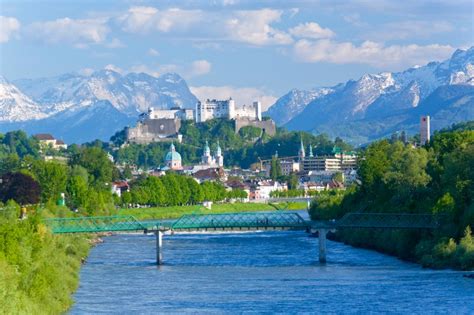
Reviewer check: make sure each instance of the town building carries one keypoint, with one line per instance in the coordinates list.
(47, 140)
(120, 187)
(425, 130)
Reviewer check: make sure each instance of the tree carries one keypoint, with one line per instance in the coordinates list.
(127, 173)
(275, 168)
(19, 187)
(77, 190)
(97, 164)
(52, 177)
(293, 181)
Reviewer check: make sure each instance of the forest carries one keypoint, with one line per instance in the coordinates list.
(437, 179)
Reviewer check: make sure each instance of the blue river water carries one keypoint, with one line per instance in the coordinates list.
(260, 272)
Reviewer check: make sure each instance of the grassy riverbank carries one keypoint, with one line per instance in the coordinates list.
(38, 271)
(178, 211)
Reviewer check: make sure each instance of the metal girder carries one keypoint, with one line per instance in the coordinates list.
(291, 220)
(94, 224)
(389, 220)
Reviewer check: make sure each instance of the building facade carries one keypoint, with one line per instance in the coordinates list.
(227, 109)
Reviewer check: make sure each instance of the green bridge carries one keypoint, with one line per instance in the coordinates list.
(247, 221)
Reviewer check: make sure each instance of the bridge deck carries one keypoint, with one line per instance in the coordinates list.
(277, 220)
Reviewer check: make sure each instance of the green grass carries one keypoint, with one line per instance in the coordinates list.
(178, 211)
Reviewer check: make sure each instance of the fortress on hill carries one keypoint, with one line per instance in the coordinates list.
(163, 124)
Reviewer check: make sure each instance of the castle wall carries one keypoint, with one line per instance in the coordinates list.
(154, 130)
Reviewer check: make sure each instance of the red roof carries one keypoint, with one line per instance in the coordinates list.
(44, 136)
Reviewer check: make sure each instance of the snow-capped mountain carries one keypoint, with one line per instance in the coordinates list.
(81, 108)
(131, 94)
(379, 104)
(293, 103)
(16, 106)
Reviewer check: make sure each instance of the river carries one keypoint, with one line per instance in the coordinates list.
(259, 272)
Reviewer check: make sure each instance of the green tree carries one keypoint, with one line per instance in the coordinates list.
(275, 168)
(52, 177)
(97, 164)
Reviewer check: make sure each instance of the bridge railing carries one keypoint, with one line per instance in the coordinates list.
(240, 220)
(94, 224)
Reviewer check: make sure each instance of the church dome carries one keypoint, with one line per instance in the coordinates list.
(172, 155)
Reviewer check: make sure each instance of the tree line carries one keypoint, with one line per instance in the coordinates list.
(437, 179)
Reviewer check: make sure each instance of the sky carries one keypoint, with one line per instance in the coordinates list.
(244, 49)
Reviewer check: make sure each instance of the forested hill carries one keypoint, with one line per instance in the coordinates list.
(240, 149)
(437, 179)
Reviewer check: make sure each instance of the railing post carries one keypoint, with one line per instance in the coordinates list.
(159, 247)
(322, 245)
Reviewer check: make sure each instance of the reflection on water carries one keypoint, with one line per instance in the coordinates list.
(259, 273)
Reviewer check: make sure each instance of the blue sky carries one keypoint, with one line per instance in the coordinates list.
(249, 49)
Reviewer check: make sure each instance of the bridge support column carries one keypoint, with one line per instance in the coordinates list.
(159, 247)
(322, 245)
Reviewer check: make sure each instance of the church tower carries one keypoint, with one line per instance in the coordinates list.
(311, 151)
(219, 157)
(301, 153)
(206, 156)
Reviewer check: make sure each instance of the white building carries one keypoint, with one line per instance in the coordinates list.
(424, 130)
(210, 109)
(181, 113)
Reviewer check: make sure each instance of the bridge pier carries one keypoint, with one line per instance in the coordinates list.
(322, 245)
(159, 247)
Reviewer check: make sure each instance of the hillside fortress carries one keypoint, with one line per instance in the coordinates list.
(226, 109)
(159, 125)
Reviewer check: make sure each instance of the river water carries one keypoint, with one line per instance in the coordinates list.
(264, 272)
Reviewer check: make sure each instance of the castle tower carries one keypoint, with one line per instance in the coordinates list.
(258, 110)
(301, 153)
(424, 130)
(219, 157)
(231, 108)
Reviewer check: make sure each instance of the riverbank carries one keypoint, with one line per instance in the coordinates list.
(39, 271)
(176, 212)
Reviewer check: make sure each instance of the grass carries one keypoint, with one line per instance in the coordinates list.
(178, 211)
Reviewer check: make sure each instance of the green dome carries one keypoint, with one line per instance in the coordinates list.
(173, 156)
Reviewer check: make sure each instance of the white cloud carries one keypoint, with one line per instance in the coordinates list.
(254, 27)
(153, 52)
(115, 43)
(311, 30)
(191, 70)
(199, 67)
(80, 33)
(248, 26)
(113, 68)
(375, 54)
(9, 26)
(142, 19)
(245, 95)
(86, 71)
(145, 69)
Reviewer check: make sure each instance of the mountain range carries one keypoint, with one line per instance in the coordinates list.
(377, 105)
(79, 108)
